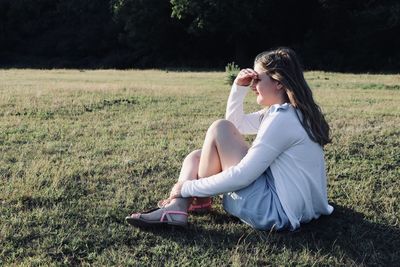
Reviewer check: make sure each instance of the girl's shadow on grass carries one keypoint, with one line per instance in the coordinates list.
(345, 234)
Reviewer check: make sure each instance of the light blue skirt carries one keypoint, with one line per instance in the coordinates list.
(258, 204)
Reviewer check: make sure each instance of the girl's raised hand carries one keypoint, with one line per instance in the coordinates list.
(245, 77)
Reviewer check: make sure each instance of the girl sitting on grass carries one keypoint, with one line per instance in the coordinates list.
(276, 183)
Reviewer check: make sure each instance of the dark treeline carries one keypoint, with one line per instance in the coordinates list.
(338, 35)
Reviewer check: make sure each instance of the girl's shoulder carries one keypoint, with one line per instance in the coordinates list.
(285, 120)
(284, 113)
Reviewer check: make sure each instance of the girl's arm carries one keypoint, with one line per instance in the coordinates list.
(245, 123)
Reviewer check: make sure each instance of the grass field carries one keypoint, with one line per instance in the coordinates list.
(80, 150)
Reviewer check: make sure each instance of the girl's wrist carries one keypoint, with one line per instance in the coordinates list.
(241, 83)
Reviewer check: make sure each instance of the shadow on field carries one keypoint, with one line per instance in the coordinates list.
(344, 234)
(347, 232)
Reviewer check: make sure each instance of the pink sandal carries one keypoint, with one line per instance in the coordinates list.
(136, 220)
(200, 208)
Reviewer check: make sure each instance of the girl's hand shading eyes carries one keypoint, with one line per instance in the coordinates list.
(245, 77)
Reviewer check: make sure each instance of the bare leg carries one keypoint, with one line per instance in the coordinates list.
(189, 171)
(223, 147)
(190, 166)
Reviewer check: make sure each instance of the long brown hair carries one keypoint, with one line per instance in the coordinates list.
(282, 65)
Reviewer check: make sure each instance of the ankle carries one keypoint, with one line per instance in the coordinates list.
(179, 204)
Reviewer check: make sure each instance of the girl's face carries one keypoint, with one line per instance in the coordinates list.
(268, 91)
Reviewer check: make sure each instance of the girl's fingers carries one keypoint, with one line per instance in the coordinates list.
(251, 72)
(245, 76)
(164, 202)
(248, 73)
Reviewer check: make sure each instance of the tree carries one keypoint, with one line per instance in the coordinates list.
(356, 35)
(64, 32)
(147, 32)
(249, 26)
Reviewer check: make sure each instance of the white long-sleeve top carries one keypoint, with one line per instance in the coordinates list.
(297, 163)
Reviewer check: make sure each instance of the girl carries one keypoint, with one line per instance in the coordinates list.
(277, 183)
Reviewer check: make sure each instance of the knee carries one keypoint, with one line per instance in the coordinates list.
(219, 127)
(194, 155)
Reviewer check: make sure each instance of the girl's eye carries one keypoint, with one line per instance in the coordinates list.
(254, 81)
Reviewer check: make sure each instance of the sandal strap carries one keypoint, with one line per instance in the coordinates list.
(167, 213)
(199, 206)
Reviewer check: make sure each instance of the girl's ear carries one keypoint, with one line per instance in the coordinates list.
(279, 85)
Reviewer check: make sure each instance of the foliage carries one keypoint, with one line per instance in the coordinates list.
(249, 26)
(148, 32)
(356, 33)
(331, 34)
(80, 150)
(231, 71)
(66, 30)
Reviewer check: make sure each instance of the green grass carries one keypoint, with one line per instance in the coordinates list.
(82, 149)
